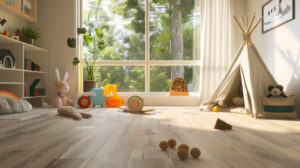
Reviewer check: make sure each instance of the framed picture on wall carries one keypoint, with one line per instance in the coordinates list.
(276, 13)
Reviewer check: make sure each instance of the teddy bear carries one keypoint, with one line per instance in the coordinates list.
(276, 91)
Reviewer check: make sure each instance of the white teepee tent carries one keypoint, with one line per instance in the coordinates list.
(247, 75)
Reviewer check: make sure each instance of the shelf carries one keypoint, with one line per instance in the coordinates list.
(15, 80)
(11, 69)
(15, 12)
(4, 39)
(21, 70)
(11, 83)
(33, 97)
(38, 72)
(27, 47)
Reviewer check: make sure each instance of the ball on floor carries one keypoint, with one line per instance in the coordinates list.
(172, 143)
(184, 146)
(163, 145)
(195, 152)
(216, 109)
(182, 154)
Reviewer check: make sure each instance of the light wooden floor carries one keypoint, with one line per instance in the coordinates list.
(113, 139)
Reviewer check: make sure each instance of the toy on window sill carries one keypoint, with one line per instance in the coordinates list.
(91, 99)
(84, 100)
(98, 98)
(179, 88)
(113, 100)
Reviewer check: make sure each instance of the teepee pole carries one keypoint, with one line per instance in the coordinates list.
(255, 26)
(243, 22)
(238, 23)
(251, 23)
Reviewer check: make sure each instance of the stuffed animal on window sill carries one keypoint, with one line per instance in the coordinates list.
(62, 88)
(276, 91)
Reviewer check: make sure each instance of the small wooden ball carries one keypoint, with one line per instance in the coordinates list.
(172, 143)
(184, 146)
(163, 145)
(182, 154)
(195, 152)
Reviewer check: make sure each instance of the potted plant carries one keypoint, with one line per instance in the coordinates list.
(95, 44)
(30, 34)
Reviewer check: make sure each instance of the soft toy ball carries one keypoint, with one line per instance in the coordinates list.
(184, 146)
(195, 152)
(216, 109)
(182, 154)
(163, 145)
(172, 143)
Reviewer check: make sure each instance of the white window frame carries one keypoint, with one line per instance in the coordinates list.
(147, 63)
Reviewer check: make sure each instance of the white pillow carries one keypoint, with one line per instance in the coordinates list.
(9, 105)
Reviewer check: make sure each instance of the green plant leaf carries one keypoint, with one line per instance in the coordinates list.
(31, 32)
(71, 42)
(101, 45)
(99, 32)
(75, 61)
(81, 30)
(88, 38)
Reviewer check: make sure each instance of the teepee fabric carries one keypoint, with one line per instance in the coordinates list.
(247, 75)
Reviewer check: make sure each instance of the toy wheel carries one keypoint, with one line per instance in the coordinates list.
(135, 103)
(84, 102)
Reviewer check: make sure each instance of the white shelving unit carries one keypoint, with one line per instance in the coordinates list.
(14, 80)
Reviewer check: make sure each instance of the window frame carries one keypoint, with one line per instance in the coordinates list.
(147, 63)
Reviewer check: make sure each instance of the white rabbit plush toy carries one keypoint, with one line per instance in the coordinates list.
(63, 102)
(62, 88)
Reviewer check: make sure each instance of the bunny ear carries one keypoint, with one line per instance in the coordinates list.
(66, 76)
(57, 74)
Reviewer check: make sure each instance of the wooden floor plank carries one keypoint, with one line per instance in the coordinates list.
(114, 139)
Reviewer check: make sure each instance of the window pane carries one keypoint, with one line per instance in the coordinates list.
(161, 77)
(123, 24)
(171, 29)
(128, 78)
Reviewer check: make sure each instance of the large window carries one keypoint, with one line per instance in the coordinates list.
(148, 43)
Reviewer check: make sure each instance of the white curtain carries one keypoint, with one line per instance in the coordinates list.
(214, 42)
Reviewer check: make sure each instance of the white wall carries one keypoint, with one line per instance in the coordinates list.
(57, 21)
(280, 49)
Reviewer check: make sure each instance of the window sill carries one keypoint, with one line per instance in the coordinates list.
(163, 99)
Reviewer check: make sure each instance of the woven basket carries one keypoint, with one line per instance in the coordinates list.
(279, 108)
